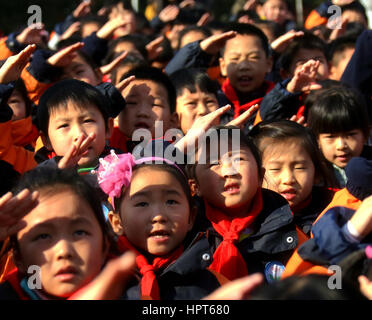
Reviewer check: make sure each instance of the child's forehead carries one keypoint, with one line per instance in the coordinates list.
(193, 90)
(144, 86)
(308, 53)
(72, 108)
(243, 42)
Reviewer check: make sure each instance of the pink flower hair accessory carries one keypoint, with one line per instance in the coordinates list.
(114, 172)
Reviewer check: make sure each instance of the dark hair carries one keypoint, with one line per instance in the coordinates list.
(337, 109)
(131, 59)
(308, 41)
(61, 93)
(252, 14)
(138, 41)
(230, 133)
(273, 26)
(20, 87)
(190, 79)
(157, 76)
(269, 133)
(251, 30)
(204, 30)
(54, 180)
(355, 6)
(178, 173)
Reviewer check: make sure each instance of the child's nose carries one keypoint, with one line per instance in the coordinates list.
(229, 168)
(341, 143)
(288, 176)
(202, 109)
(64, 249)
(159, 218)
(78, 131)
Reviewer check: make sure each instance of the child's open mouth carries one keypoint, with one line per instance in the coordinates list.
(289, 194)
(159, 235)
(245, 80)
(66, 274)
(142, 125)
(231, 188)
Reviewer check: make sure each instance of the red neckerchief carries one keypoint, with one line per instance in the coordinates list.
(119, 140)
(149, 284)
(227, 259)
(230, 94)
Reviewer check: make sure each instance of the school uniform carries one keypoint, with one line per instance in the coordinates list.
(187, 278)
(268, 243)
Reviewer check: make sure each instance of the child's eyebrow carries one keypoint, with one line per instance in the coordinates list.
(147, 193)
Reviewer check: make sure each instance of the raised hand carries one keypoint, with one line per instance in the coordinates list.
(362, 218)
(113, 64)
(110, 283)
(76, 151)
(304, 78)
(213, 44)
(12, 68)
(169, 13)
(124, 83)
(33, 34)
(75, 27)
(281, 43)
(242, 119)
(82, 9)
(13, 209)
(110, 26)
(365, 286)
(154, 48)
(65, 56)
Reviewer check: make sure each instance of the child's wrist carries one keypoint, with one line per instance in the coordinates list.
(351, 233)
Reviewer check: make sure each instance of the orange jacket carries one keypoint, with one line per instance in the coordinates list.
(4, 50)
(314, 19)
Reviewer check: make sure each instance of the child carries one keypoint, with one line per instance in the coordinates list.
(339, 120)
(252, 228)
(245, 60)
(63, 233)
(149, 98)
(341, 51)
(197, 95)
(303, 64)
(294, 168)
(154, 212)
(74, 123)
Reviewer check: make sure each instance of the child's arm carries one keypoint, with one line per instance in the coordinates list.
(21, 159)
(284, 100)
(13, 208)
(199, 54)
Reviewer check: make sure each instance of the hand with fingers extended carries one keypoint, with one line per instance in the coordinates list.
(110, 26)
(169, 13)
(76, 151)
(304, 78)
(124, 83)
(82, 10)
(33, 34)
(300, 120)
(13, 209)
(75, 27)
(154, 48)
(110, 283)
(64, 57)
(213, 44)
(12, 68)
(108, 68)
(281, 43)
(238, 289)
(365, 286)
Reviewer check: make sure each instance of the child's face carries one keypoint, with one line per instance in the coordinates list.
(67, 124)
(336, 70)
(191, 106)
(18, 105)
(155, 213)
(147, 102)
(231, 183)
(64, 239)
(289, 171)
(339, 148)
(245, 63)
(79, 69)
(275, 10)
(191, 37)
(304, 55)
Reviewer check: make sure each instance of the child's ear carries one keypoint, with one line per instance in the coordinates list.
(115, 221)
(194, 187)
(223, 67)
(110, 128)
(46, 141)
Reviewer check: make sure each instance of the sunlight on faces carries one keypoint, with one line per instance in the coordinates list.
(88, 28)
(191, 36)
(289, 170)
(67, 123)
(62, 237)
(18, 105)
(303, 56)
(245, 63)
(155, 212)
(147, 102)
(336, 71)
(79, 69)
(193, 105)
(230, 182)
(339, 148)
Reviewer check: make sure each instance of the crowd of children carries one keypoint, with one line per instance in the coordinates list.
(169, 155)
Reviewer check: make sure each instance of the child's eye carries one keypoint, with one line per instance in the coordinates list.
(80, 233)
(141, 204)
(42, 236)
(131, 103)
(62, 126)
(274, 169)
(300, 168)
(88, 120)
(171, 202)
